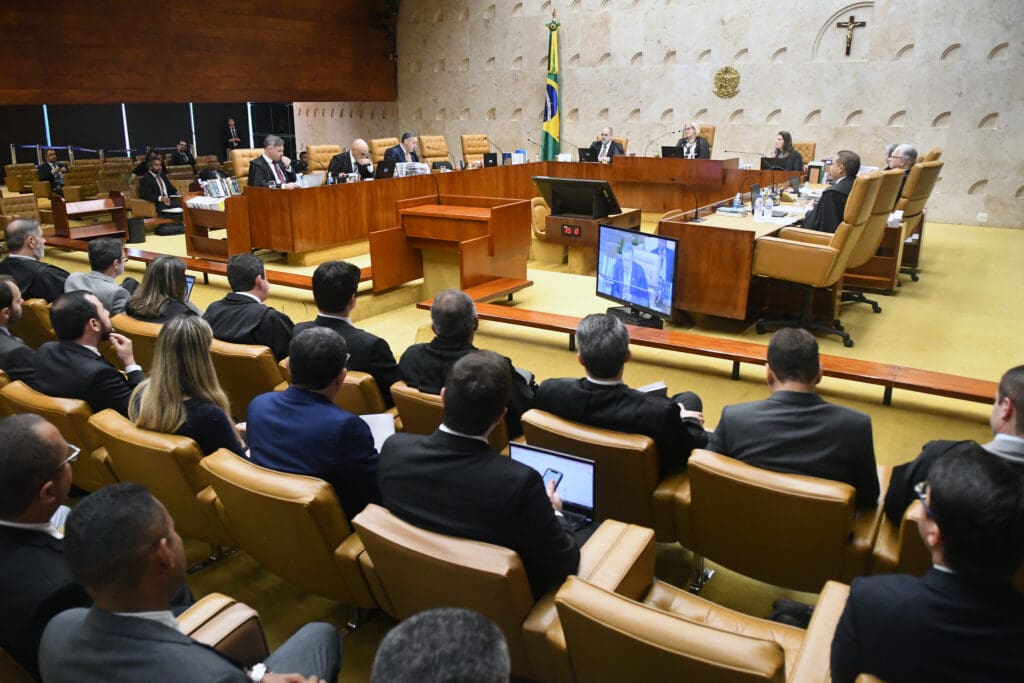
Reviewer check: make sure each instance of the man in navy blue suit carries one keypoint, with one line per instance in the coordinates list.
(629, 272)
(404, 150)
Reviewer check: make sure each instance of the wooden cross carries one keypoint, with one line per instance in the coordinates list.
(849, 26)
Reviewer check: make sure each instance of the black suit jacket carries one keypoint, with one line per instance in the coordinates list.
(799, 433)
(613, 149)
(149, 189)
(36, 280)
(225, 138)
(828, 214)
(941, 627)
(212, 174)
(70, 370)
(702, 148)
(623, 409)
(35, 585)
(261, 175)
(342, 163)
(241, 319)
(369, 353)
(183, 159)
(16, 358)
(461, 487)
(45, 172)
(398, 154)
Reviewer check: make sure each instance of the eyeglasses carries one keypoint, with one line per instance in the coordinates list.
(347, 356)
(921, 489)
(73, 452)
(896, 157)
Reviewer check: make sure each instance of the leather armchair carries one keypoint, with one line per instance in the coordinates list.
(230, 627)
(474, 147)
(433, 148)
(18, 206)
(70, 416)
(380, 145)
(421, 413)
(626, 477)
(11, 671)
(320, 156)
(19, 177)
(814, 260)
(788, 530)
(418, 570)
(4, 381)
(291, 524)
(934, 154)
(168, 465)
(245, 371)
(143, 335)
(622, 141)
(34, 327)
(916, 192)
(240, 159)
(807, 150)
(874, 231)
(359, 394)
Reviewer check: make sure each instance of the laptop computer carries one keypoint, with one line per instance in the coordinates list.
(190, 282)
(755, 192)
(490, 159)
(575, 477)
(385, 169)
(313, 179)
(671, 152)
(587, 154)
(442, 164)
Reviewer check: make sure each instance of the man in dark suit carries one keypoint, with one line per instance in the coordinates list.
(16, 358)
(903, 157)
(606, 147)
(602, 399)
(230, 137)
(453, 482)
(241, 317)
(183, 157)
(827, 214)
(155, 187)
(1007, 422)
(74, 368)
(795, 431)
(404, 150)
(630, 274)
(357, 157)
(26, 247)
(212, 170)
(426, 366)
(52, 172)
(122, 546)
(963, 620)
(334, 290)
(272, 169)
(301, 431)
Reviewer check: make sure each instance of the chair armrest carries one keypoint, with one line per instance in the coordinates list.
(794, 261)
(864, 535)
(347, 556)
(812, 665)
(619, 557)
(230, 627)
(886, 553)
(140, 208)
(805, 235)
(74, 193)
(670, 502)
(214, 512)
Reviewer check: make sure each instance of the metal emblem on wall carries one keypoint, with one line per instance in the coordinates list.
(727, 82)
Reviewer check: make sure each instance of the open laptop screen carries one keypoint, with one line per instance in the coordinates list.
(190, 282)
(577, 486)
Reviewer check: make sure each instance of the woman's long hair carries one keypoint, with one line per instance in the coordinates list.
(163, 281)
(787, 144)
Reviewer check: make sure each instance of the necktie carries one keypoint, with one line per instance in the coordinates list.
(278, 172)
(163, 188)
(233, 132)
(604, 150)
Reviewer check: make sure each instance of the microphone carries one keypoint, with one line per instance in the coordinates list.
(655, 139)
(570, 143)
(736, 151)
(446, 152)
(696, 204)
(533, 142)
(492, 144)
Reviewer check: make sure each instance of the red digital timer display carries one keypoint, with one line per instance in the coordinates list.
(571, 231)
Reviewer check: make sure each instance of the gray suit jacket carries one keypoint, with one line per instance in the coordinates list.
(113, 296)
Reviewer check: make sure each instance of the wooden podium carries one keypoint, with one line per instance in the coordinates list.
(462, 242)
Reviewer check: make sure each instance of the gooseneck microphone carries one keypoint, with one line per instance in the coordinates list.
(696, 204)
(655, 139)
(495, 146)
(442, 151)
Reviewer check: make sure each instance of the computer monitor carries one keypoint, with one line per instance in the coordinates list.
(672, 152)
(490, 159)
(755, 192)
(190, 282)
(649, 262)
(385, 169)
(577, 197)
(447, 165)
(587, 154)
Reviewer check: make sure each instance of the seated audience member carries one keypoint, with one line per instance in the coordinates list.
(24, 262)
(155, 187)
(442, 646)
(1007, 422)
(602, 399)
(17, 359)
(302, 165)
(161, 296)
(301, 431)
(182, 157)
(888, 153)
(74, 368)
(904, 157)
(106, 258)
(230, 137)
(794, 430)
(630, 275)
(355, 160)
(182, 395)
(425, 366)
(784, 157)
(694, 146)
(143, 167)
(212, 170)
(272, 169)
(404, 150)
(827, 214)
(241, 317)
(334, 290)
(53, 172)
(122, 546)
(963, 620)
(606, 147)
(453, 482)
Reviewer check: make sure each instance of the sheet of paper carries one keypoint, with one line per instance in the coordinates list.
(382, 425)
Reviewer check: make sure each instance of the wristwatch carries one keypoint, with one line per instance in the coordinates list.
(257, 672)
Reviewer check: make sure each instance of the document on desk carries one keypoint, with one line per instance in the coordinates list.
(382, 425)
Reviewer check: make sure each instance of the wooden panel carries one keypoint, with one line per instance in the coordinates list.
(394, 261)
(92, 51)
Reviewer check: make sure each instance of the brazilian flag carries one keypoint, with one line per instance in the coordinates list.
(552, 104)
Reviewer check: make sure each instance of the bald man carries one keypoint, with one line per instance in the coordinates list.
(355, 160)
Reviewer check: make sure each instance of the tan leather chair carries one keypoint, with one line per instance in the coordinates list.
(143, 335)
(4, 381)
(816, 260)
(622, 141)
(228, 626)
(320, 156)
(418, 570)
(245, 371)
(707, 131)
(240, 159)
(916, 192)
(19, 177)
(70, 416)
(789, 530)
(34, 328)
(291, 524)
(359, 393)
(380, 145)
(421, 413)
(433, 148)
(626, 477)
(807, 150)
(934, 154)
(18, 206)
(874, 231)
(168, 465)
(11, 671)
(474, 147)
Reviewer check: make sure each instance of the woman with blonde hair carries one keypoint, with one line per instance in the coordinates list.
(182, 395)
(161, 296)
(694, 147)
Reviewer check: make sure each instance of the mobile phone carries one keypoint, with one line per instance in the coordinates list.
(552, 475)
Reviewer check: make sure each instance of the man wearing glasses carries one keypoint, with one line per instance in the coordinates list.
(963, 620)
(903, 156)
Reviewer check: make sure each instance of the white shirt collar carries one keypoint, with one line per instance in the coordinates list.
(43, 527)
(165, 617)
(92, 348)
(335, 317)
(942, 568)
(270, 162)
(31, 258)
(251, 296)
(605, 382)
(447, 430)
(1009, 438)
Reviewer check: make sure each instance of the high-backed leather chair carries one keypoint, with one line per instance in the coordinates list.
(19, 177)
(70, 416)
(168, 465)
(421, 413)
(814, 260)
(934, 154)
(240, 159)
(291, 524)
(789, 530)
(18, 206)
(245, 371)
(916, 192)
(540, 248)
(359, 393)
(707, 131)
(433, 148)
(380, 145)
(807, 150)
(228, 626)
(474, 147)
(320, 156)
(143, 335)
(418, 570)
(34, 328)
(626, 471)
(874, 231)
(622, 141)
(4, 381)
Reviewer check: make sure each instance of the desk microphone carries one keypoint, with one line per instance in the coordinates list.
(655, 139)
(571, 143)
(736, 151)
(492, 144)
(443, 151)
(534, 142)
(696, 204)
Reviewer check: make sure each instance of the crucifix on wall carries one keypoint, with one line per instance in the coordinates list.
(849, 26)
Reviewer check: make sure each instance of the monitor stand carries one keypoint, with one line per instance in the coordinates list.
(633, 316)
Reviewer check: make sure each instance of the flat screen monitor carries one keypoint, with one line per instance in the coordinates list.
(637, 270)
(190, 282)
(385, 169)
(755, 192)
(490, 159)
(771, 164)
(587, 154)
(672, 152)
(578, 197)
